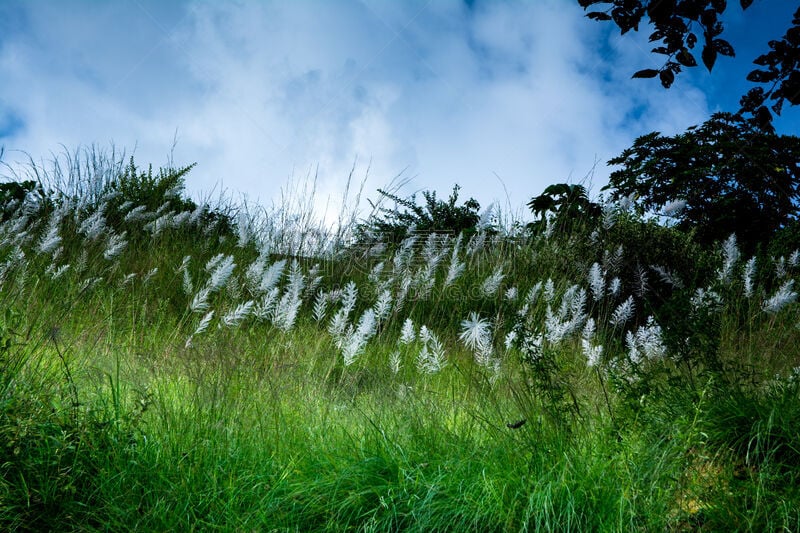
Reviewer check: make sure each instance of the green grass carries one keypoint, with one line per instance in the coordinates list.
(110, 420)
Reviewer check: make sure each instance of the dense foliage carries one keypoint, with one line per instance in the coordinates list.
(715, 179)
(391, 224)
(568, 205)
(681, 24)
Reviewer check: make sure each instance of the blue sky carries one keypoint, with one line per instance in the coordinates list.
(503, 98)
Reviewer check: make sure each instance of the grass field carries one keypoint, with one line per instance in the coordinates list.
(174, 367)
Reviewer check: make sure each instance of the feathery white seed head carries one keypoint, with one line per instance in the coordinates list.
(549, 290)
(597, 281)
(116, 244)
(272, 276)
(394, 361)
(749, 273)
(383, 306)
(614, 286)
(204, 322)
(673, 208)
(730, 253)
(492, 283)
(200, 301)
(646, 343)
(235, 316)
(623, 313)
(782, 297)
(320, 306)
(476, 333)
(135, 214)
(511, 294)
(51, 239)
(430, 359)
(60, 271)
(407, 334)
(221, 273)
(150, 274)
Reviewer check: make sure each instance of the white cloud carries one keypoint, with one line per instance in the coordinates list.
(259, 91)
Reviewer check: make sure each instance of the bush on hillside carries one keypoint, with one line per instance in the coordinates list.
(158, 193)
(14, 194)
(564, 208)
(391, 225)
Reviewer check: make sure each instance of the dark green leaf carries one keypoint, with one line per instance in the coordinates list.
(598, 15)
(790, 88)
(646, 73)
(667, 77)
(763, 60)
(709, 57)
(724, 48)
(745, 3)
(708, 18)
(764, 118)
(691, 40)
(793, 35)
(762, 76)
(686, 59)
(661, 11)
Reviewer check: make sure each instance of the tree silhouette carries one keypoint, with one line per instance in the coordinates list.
(733, 177)
(568, 203)
(434, 216)
(679, 26)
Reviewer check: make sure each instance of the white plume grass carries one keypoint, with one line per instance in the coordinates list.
(221, 272)
(492, 284)
(408, 333)
(358, 338)
(782, 297)
(271, 276)
(431, 358)
(646, 343)
(591, 351)
(199, 302)
(730, 254)
(475, 332)
(383, 306)
(623, 313)
(597, 281)
(320, 306)
(237, 315)
(116, 245)
(51, 238)
(747, 277)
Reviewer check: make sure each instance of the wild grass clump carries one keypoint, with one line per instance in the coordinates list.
(174, 366)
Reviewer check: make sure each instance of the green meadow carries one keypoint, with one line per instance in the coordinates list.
(172, 365)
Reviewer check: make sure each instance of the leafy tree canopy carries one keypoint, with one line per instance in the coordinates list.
(732, 176)
(569, 205)
(681, 24)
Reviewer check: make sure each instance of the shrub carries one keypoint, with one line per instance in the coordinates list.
(156, 193)
(569, 206)
(13, 194)
(437, 216)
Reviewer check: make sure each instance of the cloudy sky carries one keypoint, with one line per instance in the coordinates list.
(502, 98)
